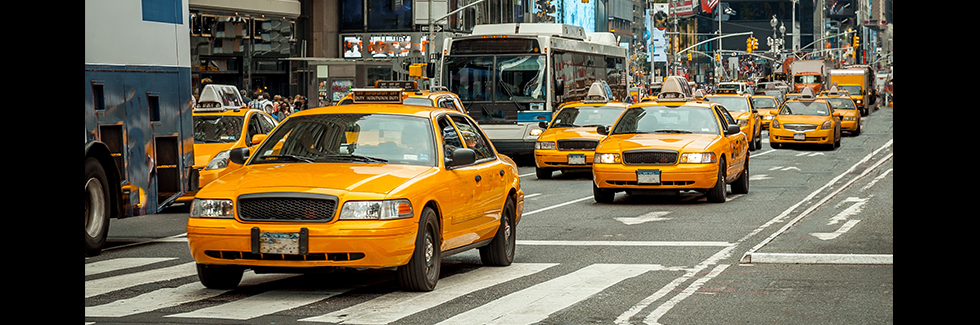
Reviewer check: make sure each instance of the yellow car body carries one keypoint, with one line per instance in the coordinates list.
(749, 121)
(805, 120)
(568, 142)
(767, 106)
(672, 145)
(373, 186)
(850, 119)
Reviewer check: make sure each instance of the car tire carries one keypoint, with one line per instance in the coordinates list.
(500, 251)
(223, 277)
(741, 184)
(422, 271)
(718, 193)
(857, 132)
(98, 207)
(752, 146)
(543, 173)
(601, 195)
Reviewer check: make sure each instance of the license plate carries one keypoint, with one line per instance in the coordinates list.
(279, 243)
(651, 176)
(576, 159)
(799, 136)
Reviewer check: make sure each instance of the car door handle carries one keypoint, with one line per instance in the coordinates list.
(478, 178)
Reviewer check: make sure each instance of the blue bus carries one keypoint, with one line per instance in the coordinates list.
(138, 104)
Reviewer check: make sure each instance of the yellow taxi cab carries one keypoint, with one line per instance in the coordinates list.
(372, 185)
(221, 123)
(567, 144)
(740, 106)
(767, 106)
(676, 143)
(805, 119)
(844, 104)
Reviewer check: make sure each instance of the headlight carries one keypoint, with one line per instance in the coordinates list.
(859, 101)
(826, 125)
(850, 118)
(767, 117)
(218, 161)
(698, 158)
(544, 145)
(775, 124)
(203, 208)
(536, 132)
(606, 158)
(742, 123)
(376, 210)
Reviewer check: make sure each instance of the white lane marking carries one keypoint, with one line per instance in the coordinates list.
(121, 263)
(536, 303)
(654, 317)
(531, 195)
(784, 258)
(621, 243)
(169, 297)
(759, 177)
(876, 179)
(528, 174)
(106, 285)
(854, 209)
(265, 303)
(840, 231)
(556, 206)
(397, 305)
(760, 154)
(652, 216)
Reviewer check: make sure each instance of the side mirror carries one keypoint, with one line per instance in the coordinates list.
(732, 129)
(462, 156)
(239, 155)
(838, 114)
(602, 130)
(543, 125)
(256, 139)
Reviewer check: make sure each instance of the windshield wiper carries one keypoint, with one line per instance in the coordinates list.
(293, 157)
(672, 131)
(358, 158)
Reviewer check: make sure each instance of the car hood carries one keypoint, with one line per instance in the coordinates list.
(203, 152)
(678, 142)
(570, 133)
(802, 119)
(325, 178)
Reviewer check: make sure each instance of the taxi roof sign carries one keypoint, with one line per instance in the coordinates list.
(597, 94)
(377, 95)
(217, 98)
(407, 85)
(674, 90)
(806, 94)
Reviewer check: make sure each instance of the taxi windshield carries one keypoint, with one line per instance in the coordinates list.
(666, 119)
(763, 102)
(586, 117)
(841, 103)
(853, 90)
(732, 103)
(351, 138)
(421, 101)
(217, 128)
(819, 108)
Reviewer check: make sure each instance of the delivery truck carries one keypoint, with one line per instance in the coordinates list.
(810, 74)
(858, 81)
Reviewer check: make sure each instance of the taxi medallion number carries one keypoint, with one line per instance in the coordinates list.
(576, 159)
(648, 176)
(279, 243)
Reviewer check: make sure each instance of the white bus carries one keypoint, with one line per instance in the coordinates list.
(512, 76)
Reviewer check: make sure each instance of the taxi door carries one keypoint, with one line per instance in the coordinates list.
(488, 195)
(737, 144)
(459, 203)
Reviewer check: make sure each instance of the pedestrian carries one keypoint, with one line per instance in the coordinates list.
(299, 103)
(245, 96)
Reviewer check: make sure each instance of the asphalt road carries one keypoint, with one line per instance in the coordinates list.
(811, 243)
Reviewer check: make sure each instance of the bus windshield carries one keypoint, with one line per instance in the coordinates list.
(504, 77)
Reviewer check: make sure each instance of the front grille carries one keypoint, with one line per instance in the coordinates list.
(800, 127)
(577, 144)
(650, 157)
(287, 207)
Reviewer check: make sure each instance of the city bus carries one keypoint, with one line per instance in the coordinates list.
(512, 76)
(138, 101)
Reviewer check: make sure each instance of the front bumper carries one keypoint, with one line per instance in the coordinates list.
(787, 136)
(559, 159)
(355, 244)
(672, 177)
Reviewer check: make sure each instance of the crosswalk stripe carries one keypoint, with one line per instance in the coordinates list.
(121, 263)
(261, 304)
(105, 285)
(169, 297)
(397, 305)
(536, 303)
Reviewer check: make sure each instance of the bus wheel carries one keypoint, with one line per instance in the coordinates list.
(97, 207)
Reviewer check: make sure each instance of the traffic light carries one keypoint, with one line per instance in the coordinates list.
(755, 44)
(857, 42)
(717, 56)
(690, 57)
(748, 45)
